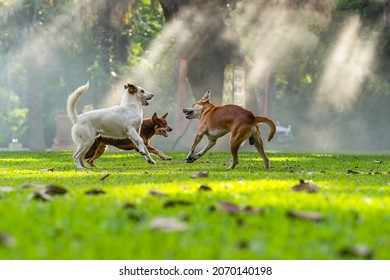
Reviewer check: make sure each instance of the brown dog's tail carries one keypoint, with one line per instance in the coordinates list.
(270, 123)
(72, 100)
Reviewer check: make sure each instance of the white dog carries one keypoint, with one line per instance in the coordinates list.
(120, 121)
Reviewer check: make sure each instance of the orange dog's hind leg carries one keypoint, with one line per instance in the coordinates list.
(259, 144)
(238, 135)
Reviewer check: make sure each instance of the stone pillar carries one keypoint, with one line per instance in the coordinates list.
(63, 138)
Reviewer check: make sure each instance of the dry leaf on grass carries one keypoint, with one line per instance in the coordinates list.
(168, 224)
(358, 251)
(46, 170)
(7, 240)
(41, 196)
(253, 211)
(204, 188)
(173, 203)
(128, 205)
(306, 186)
(306, 215)
(32, 186)
(157, 193)
(203, 174)
(94, 192)
(229, 207)
(54, 190)
(104, 177)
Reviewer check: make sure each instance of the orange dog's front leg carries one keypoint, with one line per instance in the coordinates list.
(191, 155)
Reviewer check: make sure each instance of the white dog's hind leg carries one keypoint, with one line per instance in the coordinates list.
(139, 142)
(84, 140)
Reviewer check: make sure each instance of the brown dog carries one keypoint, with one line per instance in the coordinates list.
(216, 121)
(149, 128)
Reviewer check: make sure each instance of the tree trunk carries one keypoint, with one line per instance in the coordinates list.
(387, 13)
(207, 51)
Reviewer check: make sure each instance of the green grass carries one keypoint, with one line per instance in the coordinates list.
(355, 207)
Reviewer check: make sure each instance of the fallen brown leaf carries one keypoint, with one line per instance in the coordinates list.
(94, 192)
(7, 240)
(33, 186)
(203, 174)
(253, 211)
(157, 193)
(128, 205)
(204, 188)
(306, 215)
(361, 251)
(104, 177)
(173, 203)
(306, 186)
(229, 207)
(54, 190)
(40, 195)
(168, 224)
(46, 170)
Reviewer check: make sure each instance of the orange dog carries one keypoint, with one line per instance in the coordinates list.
(216, 121)
(149, 128)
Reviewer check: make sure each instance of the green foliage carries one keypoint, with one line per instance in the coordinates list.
(13, 117)
(353, 200)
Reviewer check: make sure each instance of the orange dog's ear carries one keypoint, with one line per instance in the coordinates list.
(206, 96)
(131, 88)
(165, 116)
(154, 117)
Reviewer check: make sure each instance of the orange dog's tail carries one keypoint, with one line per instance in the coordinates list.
(270, 123)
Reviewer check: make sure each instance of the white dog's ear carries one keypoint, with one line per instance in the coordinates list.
(154, 117)
(131, 88)
(164, 116)
(206, 96)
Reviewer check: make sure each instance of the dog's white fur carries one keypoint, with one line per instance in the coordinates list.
(119, 121)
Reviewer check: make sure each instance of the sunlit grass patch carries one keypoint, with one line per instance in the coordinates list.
(107, 212)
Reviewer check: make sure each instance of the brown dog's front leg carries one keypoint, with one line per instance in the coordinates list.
(157, 152)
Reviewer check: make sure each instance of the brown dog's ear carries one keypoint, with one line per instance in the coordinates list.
(164, 116)
(131, 88)
(206, 96)
(154, 117)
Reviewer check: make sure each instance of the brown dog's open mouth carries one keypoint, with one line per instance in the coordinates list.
(163, 132)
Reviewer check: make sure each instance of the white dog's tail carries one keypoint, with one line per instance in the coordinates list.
(72, 100)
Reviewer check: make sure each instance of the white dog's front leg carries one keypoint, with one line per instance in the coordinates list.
(139, 142)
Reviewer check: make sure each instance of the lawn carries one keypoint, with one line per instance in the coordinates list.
(128, 209)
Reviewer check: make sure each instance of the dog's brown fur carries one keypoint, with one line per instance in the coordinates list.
(149, 128)
(216, 121)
